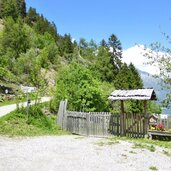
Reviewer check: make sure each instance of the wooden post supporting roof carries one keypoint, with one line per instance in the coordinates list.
(145, 117)
(122, 123)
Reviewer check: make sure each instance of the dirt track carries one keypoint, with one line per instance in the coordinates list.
(74, 153)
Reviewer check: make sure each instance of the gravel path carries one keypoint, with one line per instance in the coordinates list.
(9, 108)
(74, 153)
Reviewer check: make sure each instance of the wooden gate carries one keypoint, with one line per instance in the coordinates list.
(114, 125)
(134, 125)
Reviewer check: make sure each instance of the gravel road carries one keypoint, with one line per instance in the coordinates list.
(9, 108)
(74, 153)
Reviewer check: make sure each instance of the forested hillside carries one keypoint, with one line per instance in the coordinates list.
(31, 49)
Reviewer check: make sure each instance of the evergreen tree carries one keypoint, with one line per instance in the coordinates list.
(31, 16)
(104, 65)
(136, 81)
(8, 8)
(115, 47)
(103, 43)
(122, 80)
(66, 47)
(21, 8)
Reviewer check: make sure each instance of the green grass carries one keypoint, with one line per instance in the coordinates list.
(102, 143)
(167, 153)
(146, 142)
(18, 123)
(132, 152)
(153, 168)
(9, 102)
(146, 146)
(16, 100)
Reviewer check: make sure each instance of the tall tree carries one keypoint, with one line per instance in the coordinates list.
(115, 47)
(21, 8)
(103, 43)
(123, 78)
(104, 65)
(136, 81)
(15, 38)
(8, 8)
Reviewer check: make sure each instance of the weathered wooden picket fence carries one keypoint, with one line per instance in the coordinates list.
(90, 124)
(102, 124)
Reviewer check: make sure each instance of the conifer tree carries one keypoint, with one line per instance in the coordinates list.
(21, 8)
(8, 8)
(116, 52)
(136, 80)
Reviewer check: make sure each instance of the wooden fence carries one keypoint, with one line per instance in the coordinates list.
(166, 121)
(90, 124)
(100, 124)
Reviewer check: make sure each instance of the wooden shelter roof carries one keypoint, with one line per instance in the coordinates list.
(139, 94)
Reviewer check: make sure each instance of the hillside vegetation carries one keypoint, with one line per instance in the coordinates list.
(36, 123)
(31, 49)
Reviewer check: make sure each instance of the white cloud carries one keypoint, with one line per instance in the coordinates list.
(73, 39)
(135, 55)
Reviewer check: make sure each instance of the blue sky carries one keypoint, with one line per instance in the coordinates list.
(133, 21)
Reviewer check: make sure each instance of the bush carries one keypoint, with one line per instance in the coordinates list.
(83, 91)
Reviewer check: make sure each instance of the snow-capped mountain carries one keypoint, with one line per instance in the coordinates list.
(136, 56)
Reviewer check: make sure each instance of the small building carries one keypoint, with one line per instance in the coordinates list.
(139, 94)
(153, 120)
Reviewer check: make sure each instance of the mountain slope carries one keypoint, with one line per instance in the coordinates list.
(155, 83)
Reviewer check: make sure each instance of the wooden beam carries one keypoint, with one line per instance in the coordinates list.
(146, 117)
(122, 121)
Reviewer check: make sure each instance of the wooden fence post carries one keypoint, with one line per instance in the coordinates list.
(60, 115)
(88, 123)
(65, 115)
(103, 123)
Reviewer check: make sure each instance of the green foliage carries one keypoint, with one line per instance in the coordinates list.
(104, 65)
(146, 146)
(40, 24)
(15, 39)
(115, 47)
(154, 108)
(5, 74)
(135, 79)
(123, 80)
(77, 84)
(128, 78)
(153, 168)
(18, 124)
(13, 8)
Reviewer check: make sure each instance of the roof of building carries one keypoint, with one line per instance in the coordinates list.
(139, 94)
